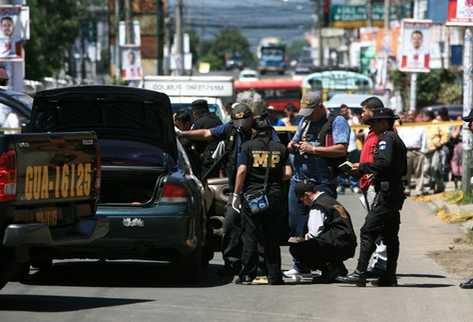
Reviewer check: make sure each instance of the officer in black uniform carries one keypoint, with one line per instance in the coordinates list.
(203, 119)
(383, 219)
(330, 238)
(262, 167)
(234, 134)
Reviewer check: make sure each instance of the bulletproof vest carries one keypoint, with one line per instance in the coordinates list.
(325, 138)
(338, 230)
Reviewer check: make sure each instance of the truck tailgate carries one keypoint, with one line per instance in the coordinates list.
(55, 168)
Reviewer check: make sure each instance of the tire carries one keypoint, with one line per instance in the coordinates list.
(5, 266)
(42, 264)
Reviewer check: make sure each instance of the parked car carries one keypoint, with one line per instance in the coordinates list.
(156, 207)
(19, 103)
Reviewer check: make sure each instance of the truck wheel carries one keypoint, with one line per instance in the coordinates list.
(42, 264)
(21, 272)
(4, 269)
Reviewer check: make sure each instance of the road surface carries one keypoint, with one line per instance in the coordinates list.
(137, 291)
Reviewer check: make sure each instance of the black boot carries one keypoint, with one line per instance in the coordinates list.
(331, 272)
(385, 282)
(357, 278)
(468, 284)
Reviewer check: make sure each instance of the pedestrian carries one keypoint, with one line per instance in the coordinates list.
(9, 121)
(388, 168)
(330, 238)
(378, 264)
(353, 156)
(203, 119)
(468, 284)
(263, 165)
(318, 147)
(415, 139)
(291, 119)
(234, 134)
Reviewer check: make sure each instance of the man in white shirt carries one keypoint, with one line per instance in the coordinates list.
(415, 140)
(8, 119)
(330, 238)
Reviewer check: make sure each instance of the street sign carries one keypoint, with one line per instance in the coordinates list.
(415, 45)
(460, 13)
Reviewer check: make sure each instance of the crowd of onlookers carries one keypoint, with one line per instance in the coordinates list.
(434, 150)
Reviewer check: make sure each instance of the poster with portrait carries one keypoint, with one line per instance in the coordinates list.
(12, 34)
(131, 63)
(460, 13)
(415, 46)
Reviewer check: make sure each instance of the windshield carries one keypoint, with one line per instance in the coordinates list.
(273, 53)
(187, 107)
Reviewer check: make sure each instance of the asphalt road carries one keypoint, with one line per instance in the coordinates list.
(137, 291)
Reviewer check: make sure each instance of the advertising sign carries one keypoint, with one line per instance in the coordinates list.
(203, 86)
(12, 34)
(131, 63)
(460, 13)
(415, 45)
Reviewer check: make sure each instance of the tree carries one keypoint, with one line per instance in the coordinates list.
(229, 41)
(54, 26)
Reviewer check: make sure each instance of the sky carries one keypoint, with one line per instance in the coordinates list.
(287, 19)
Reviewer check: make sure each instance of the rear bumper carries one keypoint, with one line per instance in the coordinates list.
(32, 235)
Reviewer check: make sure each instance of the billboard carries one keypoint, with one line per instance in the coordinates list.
(131, 63)
(460, 13)
(12, 34)
(416, 37)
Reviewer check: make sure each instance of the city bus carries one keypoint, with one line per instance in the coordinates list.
(328, 83)
(276, 92)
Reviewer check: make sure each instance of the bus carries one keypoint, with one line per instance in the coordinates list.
(275, 92)
(328, 83)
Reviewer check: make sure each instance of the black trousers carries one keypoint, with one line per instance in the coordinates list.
(231, 242)
(312, 254)
(383, 220)
(260, 238)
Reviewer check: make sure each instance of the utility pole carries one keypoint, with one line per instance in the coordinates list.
(467, 136)
(179, 40)
(319, 14)
(117, 39)
(128, 24)
(413, 96)
(160, 36)
(369, 11)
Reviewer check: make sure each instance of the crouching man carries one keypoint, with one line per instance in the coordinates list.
(330, 238)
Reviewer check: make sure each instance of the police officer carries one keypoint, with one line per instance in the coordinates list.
(468, 284)
(234, 134)
(330, 238)
(388, 168)
(262, 167)
(203, 119)
(320, 141)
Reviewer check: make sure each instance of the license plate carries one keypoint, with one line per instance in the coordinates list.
(42, 182)
(47, 216)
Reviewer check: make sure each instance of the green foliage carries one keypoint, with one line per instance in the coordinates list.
(229, 41)
(295, 48)
(437, 86)
(54, 27)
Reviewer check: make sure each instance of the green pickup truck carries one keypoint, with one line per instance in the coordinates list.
(49, 183)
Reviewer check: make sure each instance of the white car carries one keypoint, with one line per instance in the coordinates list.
(248, 75)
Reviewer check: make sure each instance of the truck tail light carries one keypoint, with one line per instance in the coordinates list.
(8, 176)
(173, 192)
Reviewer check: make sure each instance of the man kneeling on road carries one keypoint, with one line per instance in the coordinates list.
(330, 237)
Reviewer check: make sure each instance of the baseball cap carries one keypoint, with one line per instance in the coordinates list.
(240, 114)
(469, 117)
(301, 188)
(309, 102)
(200, 105)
